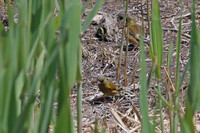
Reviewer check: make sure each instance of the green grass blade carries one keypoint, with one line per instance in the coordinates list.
(176, 101)
(96, 126)
(85, 6)
(70, 34)
(165, 102)
(178, 55)
(143, 92)
(192, 99)
(156, 37)
(91, 15)
(36, 16)
(79, 107)
(32, 94)
(79, 89)
(184, 73)
(194, 86)
(169, 55)
(46, 109)
(187, 125)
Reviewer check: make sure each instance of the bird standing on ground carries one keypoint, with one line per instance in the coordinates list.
(107, 87)
(134, 30)
(134, 33)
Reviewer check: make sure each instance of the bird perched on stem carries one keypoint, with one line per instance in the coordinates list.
(107, 87)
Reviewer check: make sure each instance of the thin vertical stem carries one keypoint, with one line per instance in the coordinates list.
(126, 56)
(148, 16)
(160, 106)
(79, 107)
(121, 46)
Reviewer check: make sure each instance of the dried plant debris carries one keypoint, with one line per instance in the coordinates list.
(102, 52)
(100, 45)
(107, 27)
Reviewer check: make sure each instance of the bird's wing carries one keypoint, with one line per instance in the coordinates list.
(112, 86)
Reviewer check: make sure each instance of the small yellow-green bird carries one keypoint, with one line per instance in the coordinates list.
(134, 30)
(107, 87)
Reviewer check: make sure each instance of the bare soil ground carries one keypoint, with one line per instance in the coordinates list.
(94, 63)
